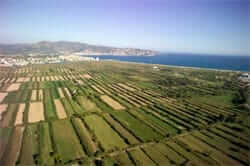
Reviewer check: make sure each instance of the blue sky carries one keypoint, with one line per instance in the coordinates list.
(197, 26)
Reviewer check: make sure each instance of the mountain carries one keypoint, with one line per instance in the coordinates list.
(65, 47)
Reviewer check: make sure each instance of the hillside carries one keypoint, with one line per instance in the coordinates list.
(64, 47)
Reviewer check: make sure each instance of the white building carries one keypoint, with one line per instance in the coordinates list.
(244, 77)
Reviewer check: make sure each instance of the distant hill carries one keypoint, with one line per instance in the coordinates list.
(65, 47)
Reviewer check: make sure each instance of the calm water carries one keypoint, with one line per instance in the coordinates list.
(241, 63)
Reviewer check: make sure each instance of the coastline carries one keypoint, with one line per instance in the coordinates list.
(209, 62)
(175, 66)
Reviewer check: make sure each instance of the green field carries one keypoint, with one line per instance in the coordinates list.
(171, 116)
(67, 145)
(107, 137)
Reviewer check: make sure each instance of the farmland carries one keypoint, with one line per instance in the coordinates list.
(116, 113)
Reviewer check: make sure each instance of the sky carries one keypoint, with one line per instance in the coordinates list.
(194, 26)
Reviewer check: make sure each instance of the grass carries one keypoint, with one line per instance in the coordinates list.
(25, 95)
(171, 154)
(160, 125)
(237, 141)
(122, 159)
(128, 137)
(246, 121)
(180, 150)
(33, 132)
(67, 145)
(107, 137)
(84, 136)
(86, 104)
(14, 147)
(12, 97)
(5, 134)
(222, 100)
(67, 106)
(76, 107)
(155, 155)
(49, 106)
(54, 93)
(141, 130)
(46, 148)
(108, 161)
(238, 128)
(26, 155)
(140, 158)
(212, 140)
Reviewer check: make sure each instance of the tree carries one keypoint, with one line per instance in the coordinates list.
(241, 96)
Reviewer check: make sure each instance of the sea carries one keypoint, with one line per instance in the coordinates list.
(222, 62)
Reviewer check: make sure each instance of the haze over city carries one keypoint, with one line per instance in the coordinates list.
(195, 26)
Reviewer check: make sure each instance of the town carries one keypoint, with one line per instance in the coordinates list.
(9, 61)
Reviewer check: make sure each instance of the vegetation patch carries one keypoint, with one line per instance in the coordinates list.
(107, 137)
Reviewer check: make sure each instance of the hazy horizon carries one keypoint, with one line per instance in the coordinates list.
(198, 27)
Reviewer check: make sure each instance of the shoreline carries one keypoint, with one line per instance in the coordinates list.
(222, 63)
(175, 66)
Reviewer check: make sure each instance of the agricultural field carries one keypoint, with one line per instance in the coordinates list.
(115, 113)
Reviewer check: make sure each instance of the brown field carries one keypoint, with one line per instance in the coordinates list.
(3, 108)
(19, 116)
(2, 96)
(8, 115)
(60, 109)
(86, 76)
(126, 87)
(23, 79)
(26, 79)
(5, 135)
(60, 92)
(36, 112)
(4, 87)
(67, 91)
(112, 103)
(13, 87)
(13, 80)
(61, 78)
(70, 77)
(33, 95)
(40, 94)
(14, 147)
(97, 89)
(104, 90)
(7, 80)
(79, 82)
(20, 79)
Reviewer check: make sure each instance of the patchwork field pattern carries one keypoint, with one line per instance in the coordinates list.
(114, 113)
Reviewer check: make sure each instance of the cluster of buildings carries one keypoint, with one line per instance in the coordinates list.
(11, 61)
(244, 77)
(24, 60)
(75, 58)
(117, 51)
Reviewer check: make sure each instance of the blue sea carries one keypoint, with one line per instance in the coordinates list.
(239, 63)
